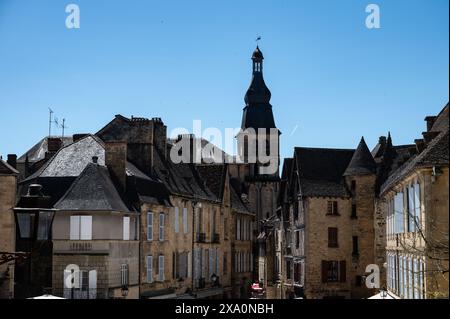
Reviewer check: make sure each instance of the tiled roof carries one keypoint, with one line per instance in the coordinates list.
(93, 190)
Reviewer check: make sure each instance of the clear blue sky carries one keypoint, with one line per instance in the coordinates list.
(183, 60)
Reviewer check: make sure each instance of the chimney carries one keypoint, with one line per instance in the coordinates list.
(159, 136)
(430, 121)
(420, 145)
(77, 137)
(429, 136)
(12, 160)
(53, 144)
(115, 160)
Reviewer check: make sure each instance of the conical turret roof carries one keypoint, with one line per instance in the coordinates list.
(362, 162)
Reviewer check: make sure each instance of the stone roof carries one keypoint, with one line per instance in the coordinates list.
(37, 152)
(362, 162)
(214, 176)
(6, 169)
(436, 153)
(93, 190)
(321, 171)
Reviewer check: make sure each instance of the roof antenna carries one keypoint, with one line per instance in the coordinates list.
(63, 127)
(50, 121)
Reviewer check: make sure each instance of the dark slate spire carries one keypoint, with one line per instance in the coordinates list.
(362, 162)
(258, 111)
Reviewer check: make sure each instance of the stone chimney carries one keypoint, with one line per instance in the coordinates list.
(420, 145)
(54, 144)
(116, 160)
(429, 136)
(159, 136)
(430, 121)
(12, 160)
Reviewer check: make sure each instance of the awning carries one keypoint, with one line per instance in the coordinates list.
(46, 297)
(209, 293)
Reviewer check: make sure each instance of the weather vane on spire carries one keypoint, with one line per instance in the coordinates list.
(258, 39)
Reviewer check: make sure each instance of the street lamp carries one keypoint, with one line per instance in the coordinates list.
(34, 217)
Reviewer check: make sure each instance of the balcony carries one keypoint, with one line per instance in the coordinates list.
(216, 238)
(200, 237)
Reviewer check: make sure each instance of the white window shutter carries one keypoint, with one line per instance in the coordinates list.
(149, 269)
(185, 220)
(74, 227)
(86, 228)
(177, 220)
(149, 226)
(126, 228)
(93, 284)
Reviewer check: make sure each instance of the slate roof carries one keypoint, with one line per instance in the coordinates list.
(321, 171)
(93, 190)
(71, 160)
(441, 123)
(37, 152)
(6, 169)
(362, 162)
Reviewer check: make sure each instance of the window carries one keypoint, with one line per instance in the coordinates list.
(332, 237)
(354, 216)
(161, 268)
(124, 275)
(288, 269)
(238, 229)
(297, 239)
(333, 271)
(332, 208)
(398, 213)
(225, 227)
(126, 228)
(149, 269)
(353, 185)
(355, 246)
(149, 226)
(161, 226)
(185, 220)
(358, 281)
(410, 209)
(213, 222)
(177, 220)
(80, 227)
(225, 263)
(417, 204)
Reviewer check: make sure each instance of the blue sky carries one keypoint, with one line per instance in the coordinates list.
(330, 76)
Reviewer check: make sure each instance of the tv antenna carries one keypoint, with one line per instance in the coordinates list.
(50, 121)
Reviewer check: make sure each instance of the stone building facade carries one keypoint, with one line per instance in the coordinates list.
(415, 205)
(8, 188)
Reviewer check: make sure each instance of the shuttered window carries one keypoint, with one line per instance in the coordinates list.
(149, 226)
(177, 220)
(124, 275)
(161, 268)
(149, 269)
(161, 226)
(332, 208)
(185, 220)
(332, 237)
(334, 271)
(126, 228)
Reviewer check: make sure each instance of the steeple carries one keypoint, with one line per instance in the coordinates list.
(258, 111)
(362, 162)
